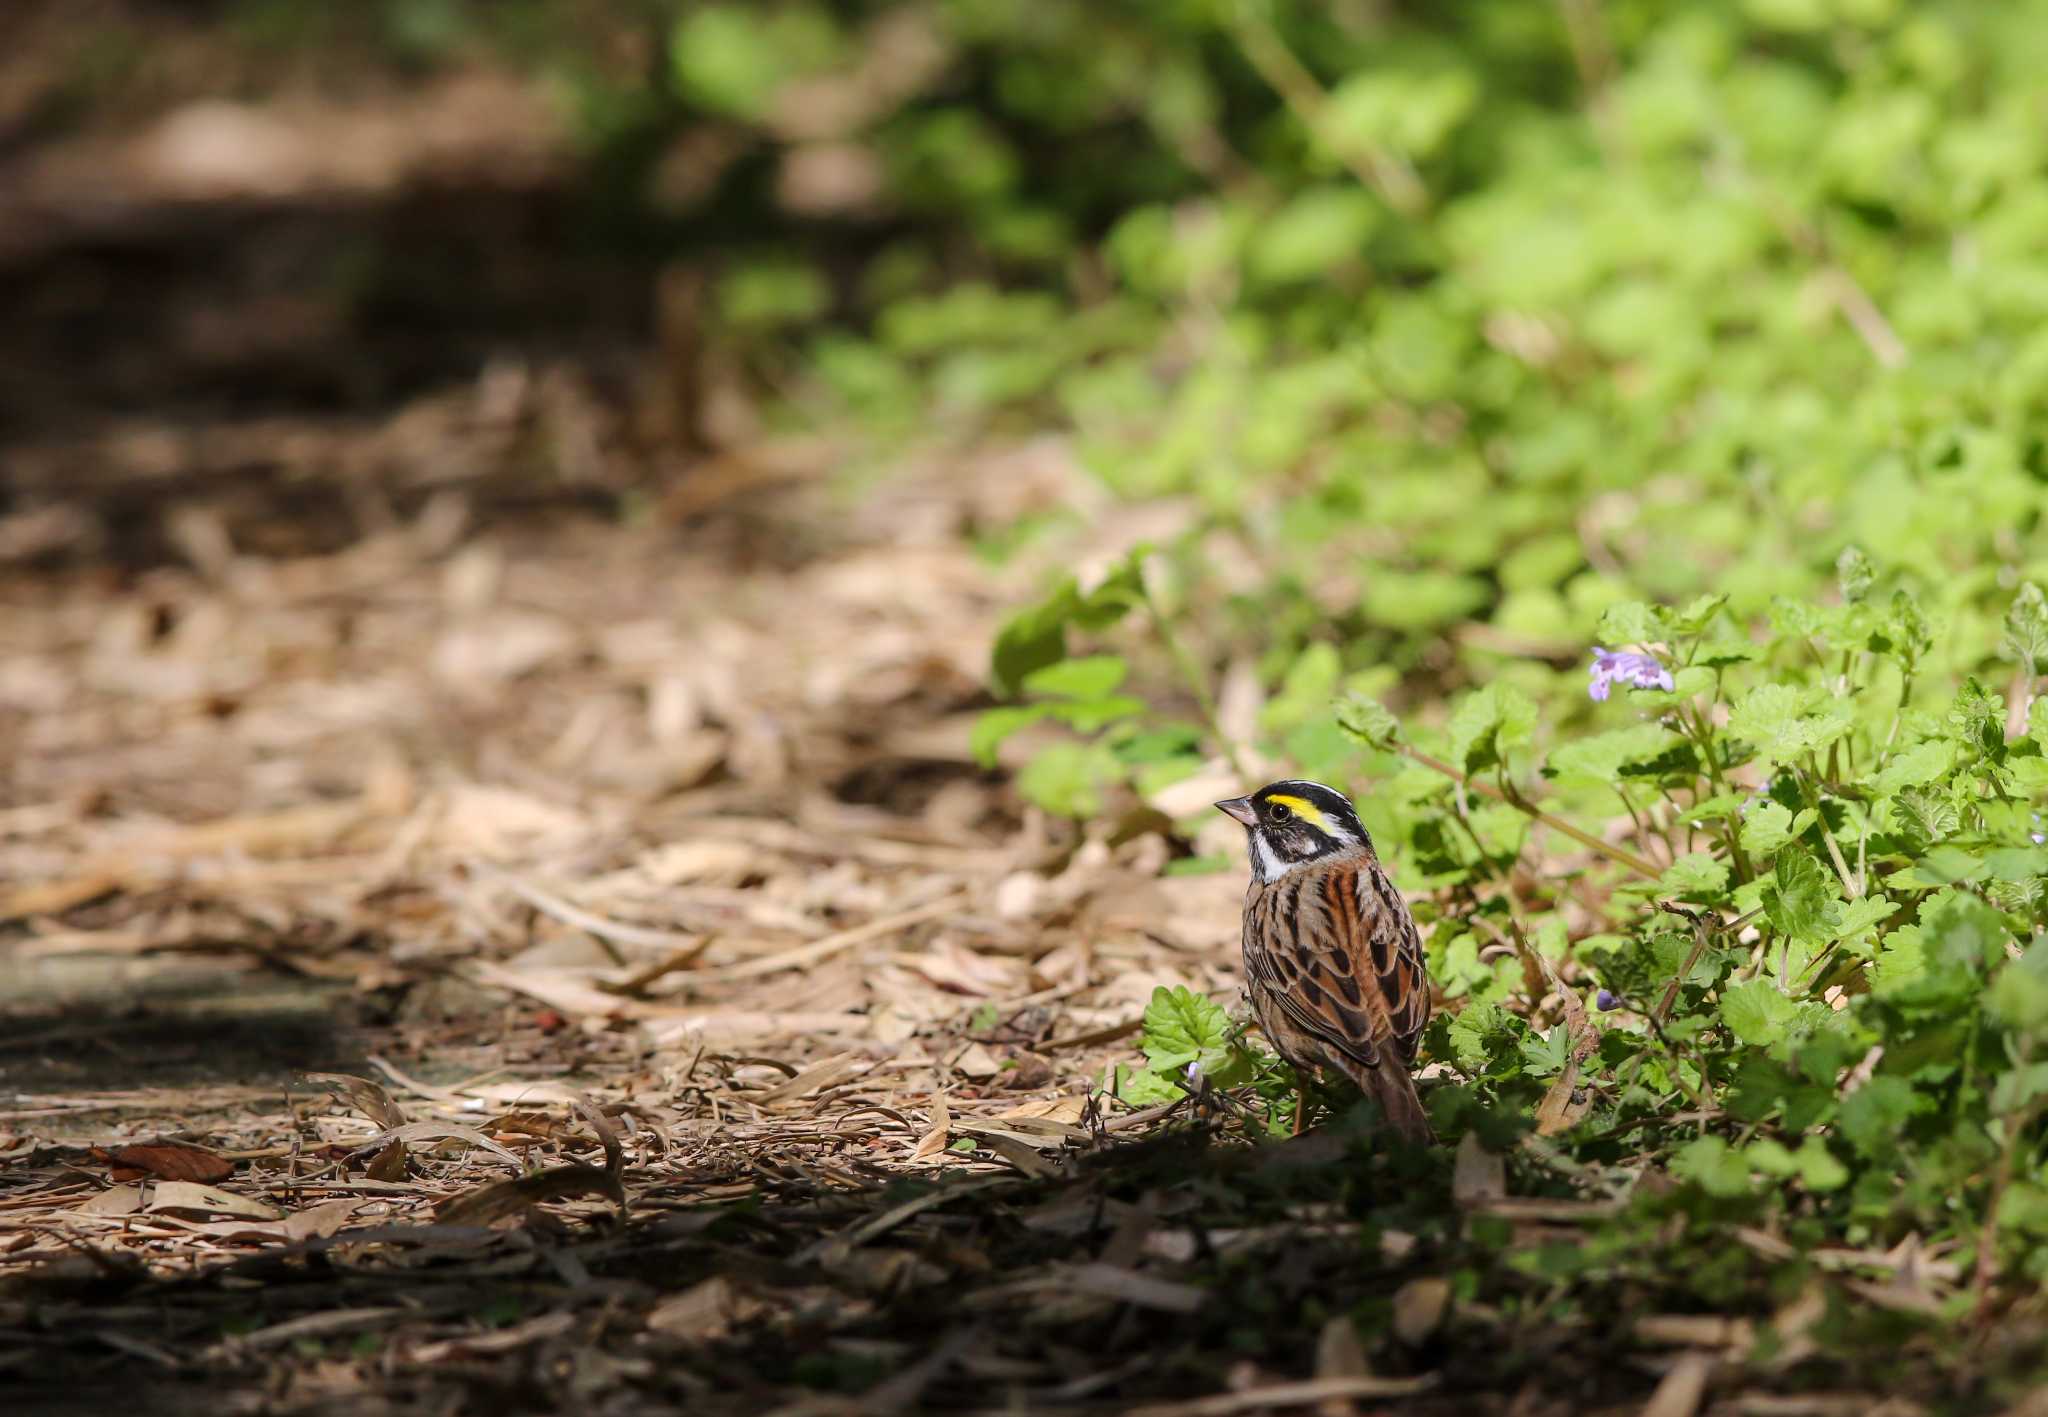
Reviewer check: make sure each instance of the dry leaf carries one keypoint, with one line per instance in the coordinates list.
(320, 1221)
(1479, 1175)
(167, 1161)
(366, 1096)
(934, 1141)
(115, 1200)
(190, 1198)
(494, 1202)
(607, 1135)
(706, 1311)
(388, 1165)
(440, 1131)
(1419, 1308)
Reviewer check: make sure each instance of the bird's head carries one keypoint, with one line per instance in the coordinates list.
(1289, 824)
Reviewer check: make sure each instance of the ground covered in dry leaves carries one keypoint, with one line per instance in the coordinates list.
(530, 962)
(557, 964)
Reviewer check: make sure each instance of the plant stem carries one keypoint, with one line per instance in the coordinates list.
(1386, 175)
(1191, 674)
(1512, 798)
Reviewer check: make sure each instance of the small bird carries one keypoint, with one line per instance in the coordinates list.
(1332, 962)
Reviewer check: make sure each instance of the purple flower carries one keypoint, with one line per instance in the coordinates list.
(1605, 1001)
(1641, 671)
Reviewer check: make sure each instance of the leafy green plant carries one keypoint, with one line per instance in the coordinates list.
(1807, 887)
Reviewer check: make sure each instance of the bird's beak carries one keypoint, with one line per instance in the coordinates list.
(1240, 808)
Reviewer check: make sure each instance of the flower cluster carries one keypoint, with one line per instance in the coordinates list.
(1610, 666)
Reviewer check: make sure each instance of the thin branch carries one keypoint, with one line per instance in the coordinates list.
(1387, 175)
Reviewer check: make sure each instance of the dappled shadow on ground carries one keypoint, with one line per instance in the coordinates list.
(1127, 1271)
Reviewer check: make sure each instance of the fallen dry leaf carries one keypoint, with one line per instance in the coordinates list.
(167, 1161)
(115, 1200)
(708, 1310)
(368, 1097)
(1419, 1308)
(491, 1203)
(190, 1198)
(1478, 1175)
(934, 1140)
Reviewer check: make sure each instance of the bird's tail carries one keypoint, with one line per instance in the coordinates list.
(1389, 1083)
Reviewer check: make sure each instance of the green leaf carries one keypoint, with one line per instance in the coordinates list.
(1067, 779)
(1916, 766)
(1819, 1169)
(1854, 574)
(1873, 1116)
(1182, 1027)
(1977, 719)
(1769, 825)
(1712, 1165)
(1488, 724)
(1368, 720)
(1757, 1013)
(1695, 876)
(1090, 677)
(1696, 617)
(1034, 637)
(2026, 627)
(1798, 895)
(1633, 622)
(1147, 1087)
(996, 724)
(2019, 994)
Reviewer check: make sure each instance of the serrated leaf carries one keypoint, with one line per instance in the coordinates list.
(1916, 766)
(1695, 876)
(1603, 756)
(1182, 1027)
(1854, 574)
(2026, 627)
(1633, 622)
(1488, 724)
(1798, 895)
(1768, 825)
(1977, 719)
(1757, 1013)
(1368, 720)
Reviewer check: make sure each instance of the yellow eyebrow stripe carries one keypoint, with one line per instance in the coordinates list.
(1303, 808)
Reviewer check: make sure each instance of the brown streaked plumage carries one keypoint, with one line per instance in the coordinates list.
(1333, 964)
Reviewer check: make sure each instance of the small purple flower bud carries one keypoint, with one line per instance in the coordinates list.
(1605, 1001)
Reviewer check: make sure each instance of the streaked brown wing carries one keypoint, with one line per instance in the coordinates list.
(1340, 955)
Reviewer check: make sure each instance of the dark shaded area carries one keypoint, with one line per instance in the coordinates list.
(194, 1028)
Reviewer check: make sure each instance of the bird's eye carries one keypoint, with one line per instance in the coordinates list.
(1280, 813)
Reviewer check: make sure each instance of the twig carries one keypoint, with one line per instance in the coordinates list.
(1385, 174)
(831, 944)
(607, 932)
